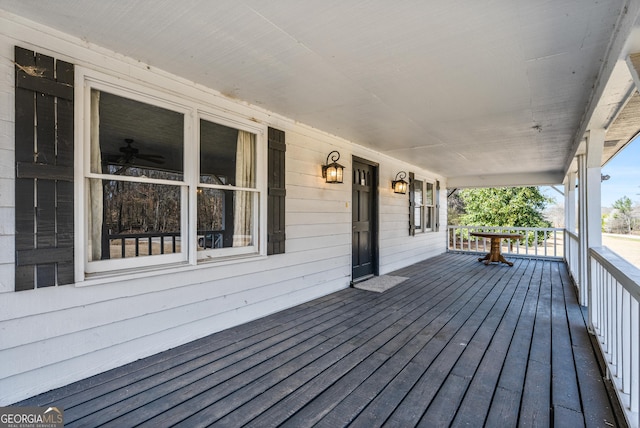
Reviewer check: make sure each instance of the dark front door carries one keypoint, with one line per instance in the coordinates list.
(364, 245)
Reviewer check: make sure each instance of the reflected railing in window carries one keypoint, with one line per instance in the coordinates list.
(137, 219)
(125, 245)
(225, 218)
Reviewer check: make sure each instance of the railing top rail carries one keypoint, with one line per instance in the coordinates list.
(534, 242)
(624, 272)
(550, 229)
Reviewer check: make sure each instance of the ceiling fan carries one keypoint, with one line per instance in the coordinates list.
(131, 154)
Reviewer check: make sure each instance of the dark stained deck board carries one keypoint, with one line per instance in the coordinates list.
(536, 397)
(477, 400)
(430, 341)
(457, 344)
(309, 381)
(597, 408)
(564, 382)
(193, 382)
(505, 406)
(410, 411)
(445, 407)
(412, 339)
(225, 365)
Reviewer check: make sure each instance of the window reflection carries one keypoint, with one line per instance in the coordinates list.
(138, 219)
(129, 138)
(419, 206)
(227, 158)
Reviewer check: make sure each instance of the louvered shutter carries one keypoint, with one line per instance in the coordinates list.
(412, 204)
(276, 193)
(437, 206)
(44, 171)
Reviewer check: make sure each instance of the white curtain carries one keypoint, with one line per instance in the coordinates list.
(95, 185)
(245, 177)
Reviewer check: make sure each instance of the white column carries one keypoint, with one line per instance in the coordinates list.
(570, 222)
(592, 226)
(583, 246)
(570, 202)
(595, 147)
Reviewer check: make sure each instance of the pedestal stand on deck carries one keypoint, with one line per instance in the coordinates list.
(496, 238)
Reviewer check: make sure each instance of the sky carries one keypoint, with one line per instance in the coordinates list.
(624, 173)
(624, 170)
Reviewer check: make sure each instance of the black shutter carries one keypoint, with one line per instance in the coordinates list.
(412, 204)
(44, 171)
(437, 206)
(277, 193)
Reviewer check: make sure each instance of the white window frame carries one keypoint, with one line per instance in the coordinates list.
(418, 206)
(430, 207)
(259, 191)
(424, 206)
(193, 110)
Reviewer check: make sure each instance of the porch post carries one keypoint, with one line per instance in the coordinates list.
(582, 230)
(570, 222)
(595, 147)
(593, 202)
(570, 202)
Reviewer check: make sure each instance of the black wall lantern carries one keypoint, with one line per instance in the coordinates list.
(399, 185)
(332, 172)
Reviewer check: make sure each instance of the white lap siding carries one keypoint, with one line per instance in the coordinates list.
(53, 336)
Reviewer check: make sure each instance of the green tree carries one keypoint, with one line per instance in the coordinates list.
(455, 208)
(624, 208)
(504, 206)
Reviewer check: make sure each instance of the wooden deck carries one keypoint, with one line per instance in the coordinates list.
(457, 344)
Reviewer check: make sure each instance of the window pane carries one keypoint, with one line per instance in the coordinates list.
(227, 155)
(418, 190)
(133, 138)
(429, 194)
(132, 219)
(417, 186)
(225, 218)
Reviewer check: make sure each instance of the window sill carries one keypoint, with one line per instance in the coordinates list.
(102, 278)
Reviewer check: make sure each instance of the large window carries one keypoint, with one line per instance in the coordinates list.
(144, 164)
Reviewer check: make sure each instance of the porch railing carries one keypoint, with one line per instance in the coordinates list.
(614, 306)
(538, 242)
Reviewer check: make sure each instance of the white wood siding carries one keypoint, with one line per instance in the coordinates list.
(53, 336)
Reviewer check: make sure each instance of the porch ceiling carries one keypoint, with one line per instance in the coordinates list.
(480, 92)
